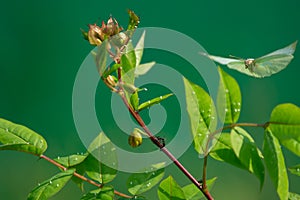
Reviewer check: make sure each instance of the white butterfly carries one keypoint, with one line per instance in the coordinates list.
(260, 67)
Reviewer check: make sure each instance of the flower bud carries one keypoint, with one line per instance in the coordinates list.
(95, 34)
(135, 139)
(110, 80)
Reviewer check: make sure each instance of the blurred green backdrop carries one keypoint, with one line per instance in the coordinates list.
(42, 49)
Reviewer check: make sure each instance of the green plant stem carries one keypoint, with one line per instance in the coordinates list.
(141, 122)
(204, 186)
(80, 176)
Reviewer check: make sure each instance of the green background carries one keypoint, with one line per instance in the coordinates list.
(42, 49)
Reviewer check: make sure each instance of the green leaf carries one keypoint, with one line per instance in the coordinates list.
(274, 160)
(151, 102)
(101, 57)
(133, 198)
(223, 151)
(294, 196)
(141, 182)
(104, 193)
(169, 189)
(134, 20)
(98, 171)
(202, 113)
(139, 49)
(84, 34)
(143, 68)
(247, 152)
(20, 138)
(134, 100)
(285, 125)
(110, 70)
(80, 169)
(128, 59)
(191, 192)
(230, 90)
(295, 170)
(102, 156)
(51, 186)
(70, 161)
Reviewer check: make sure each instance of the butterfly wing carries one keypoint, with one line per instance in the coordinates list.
(274, 62)
(231, 63)
(269, 65)
(288, 50)
(218, 59)
(240, 66)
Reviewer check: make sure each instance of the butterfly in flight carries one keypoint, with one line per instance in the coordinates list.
(260, 67)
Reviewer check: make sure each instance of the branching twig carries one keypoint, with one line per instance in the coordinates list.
(82, 177)
(140, 121)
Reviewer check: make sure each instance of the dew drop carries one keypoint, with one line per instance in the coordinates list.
(160, 97)
(209, 110)
(113, 163)
(153, 173)
(208, 115)
(200, 156)
(148, 184)
(76, 158)
(193, 92)
(212, 117)
(6, 129)
(39, 184)
(77, 153)
(226, 109)
(50, 182)
(235, 110)
(113, 149)
(57, 185)
(297, 169)
(103, 147)
(81, 153)
(199, 134)
(130, 182)
(201, 120)
(148, 102)
(226, 90)
(58, 157)
(233, 103)
(146, 89)
(239, 104)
